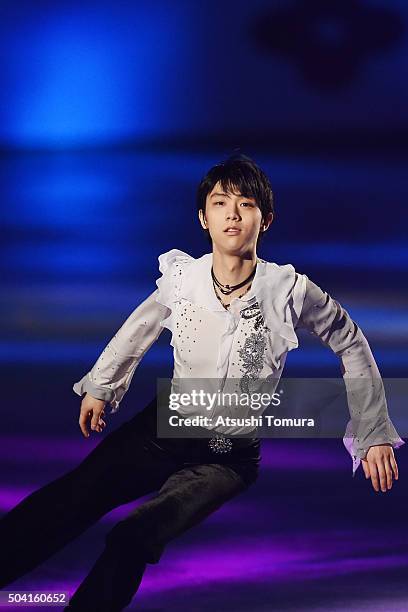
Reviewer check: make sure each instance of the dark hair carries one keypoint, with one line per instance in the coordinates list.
(238, 173)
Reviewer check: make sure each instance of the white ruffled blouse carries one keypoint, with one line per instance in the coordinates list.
(250, 340)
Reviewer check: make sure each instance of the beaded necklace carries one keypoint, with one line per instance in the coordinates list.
(240, 296)
(228, 289)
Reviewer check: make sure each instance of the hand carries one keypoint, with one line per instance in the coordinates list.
(380, 465)
(92, 408)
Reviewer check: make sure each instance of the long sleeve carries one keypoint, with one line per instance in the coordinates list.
(110, 377)
(369, 423)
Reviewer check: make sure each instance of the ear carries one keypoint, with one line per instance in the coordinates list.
(265, 224)
(203, 221)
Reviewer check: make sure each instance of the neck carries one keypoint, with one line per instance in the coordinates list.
(231, 269)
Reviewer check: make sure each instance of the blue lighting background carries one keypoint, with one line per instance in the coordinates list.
(111, 113)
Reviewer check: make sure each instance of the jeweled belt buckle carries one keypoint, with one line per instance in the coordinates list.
(219, 444)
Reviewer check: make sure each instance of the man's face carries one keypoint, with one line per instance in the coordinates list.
(226, 210)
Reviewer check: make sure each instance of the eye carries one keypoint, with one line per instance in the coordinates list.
(247, 203)
(219, 202)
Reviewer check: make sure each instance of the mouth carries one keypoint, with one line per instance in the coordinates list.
(232, 231)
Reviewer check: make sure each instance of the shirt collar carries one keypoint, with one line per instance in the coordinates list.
(197, 284)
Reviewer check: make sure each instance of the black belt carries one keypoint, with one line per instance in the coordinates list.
(218, 443)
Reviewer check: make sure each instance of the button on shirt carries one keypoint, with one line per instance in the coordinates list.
(246, 343)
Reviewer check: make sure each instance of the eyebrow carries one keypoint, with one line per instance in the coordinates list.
(214, 195)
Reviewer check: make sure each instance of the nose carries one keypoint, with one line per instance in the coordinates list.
(232, 213)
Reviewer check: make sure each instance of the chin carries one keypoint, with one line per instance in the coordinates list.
(236, 249)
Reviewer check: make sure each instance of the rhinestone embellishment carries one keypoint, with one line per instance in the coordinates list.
(253, 311)
(219, 444)
(252, 353)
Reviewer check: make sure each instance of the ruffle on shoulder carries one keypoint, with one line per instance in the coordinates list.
(172, 266)
(280, 294)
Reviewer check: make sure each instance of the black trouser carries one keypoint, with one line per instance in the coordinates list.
(192, 482)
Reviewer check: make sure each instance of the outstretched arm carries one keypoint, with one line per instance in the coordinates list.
(370, 435)
(110, 377)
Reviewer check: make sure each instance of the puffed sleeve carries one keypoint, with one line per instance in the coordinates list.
(370, 423)
(171, 265)
(110, 377)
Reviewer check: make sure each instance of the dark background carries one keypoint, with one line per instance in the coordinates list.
(110, 114)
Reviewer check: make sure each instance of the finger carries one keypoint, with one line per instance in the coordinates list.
(388, 472)
(101, 425)
(83, 417)
(374, 476)
(95, 419)
(366, 468)
(394, 466)
(383, 476)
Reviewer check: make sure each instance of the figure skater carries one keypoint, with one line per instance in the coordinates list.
(232, 316)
